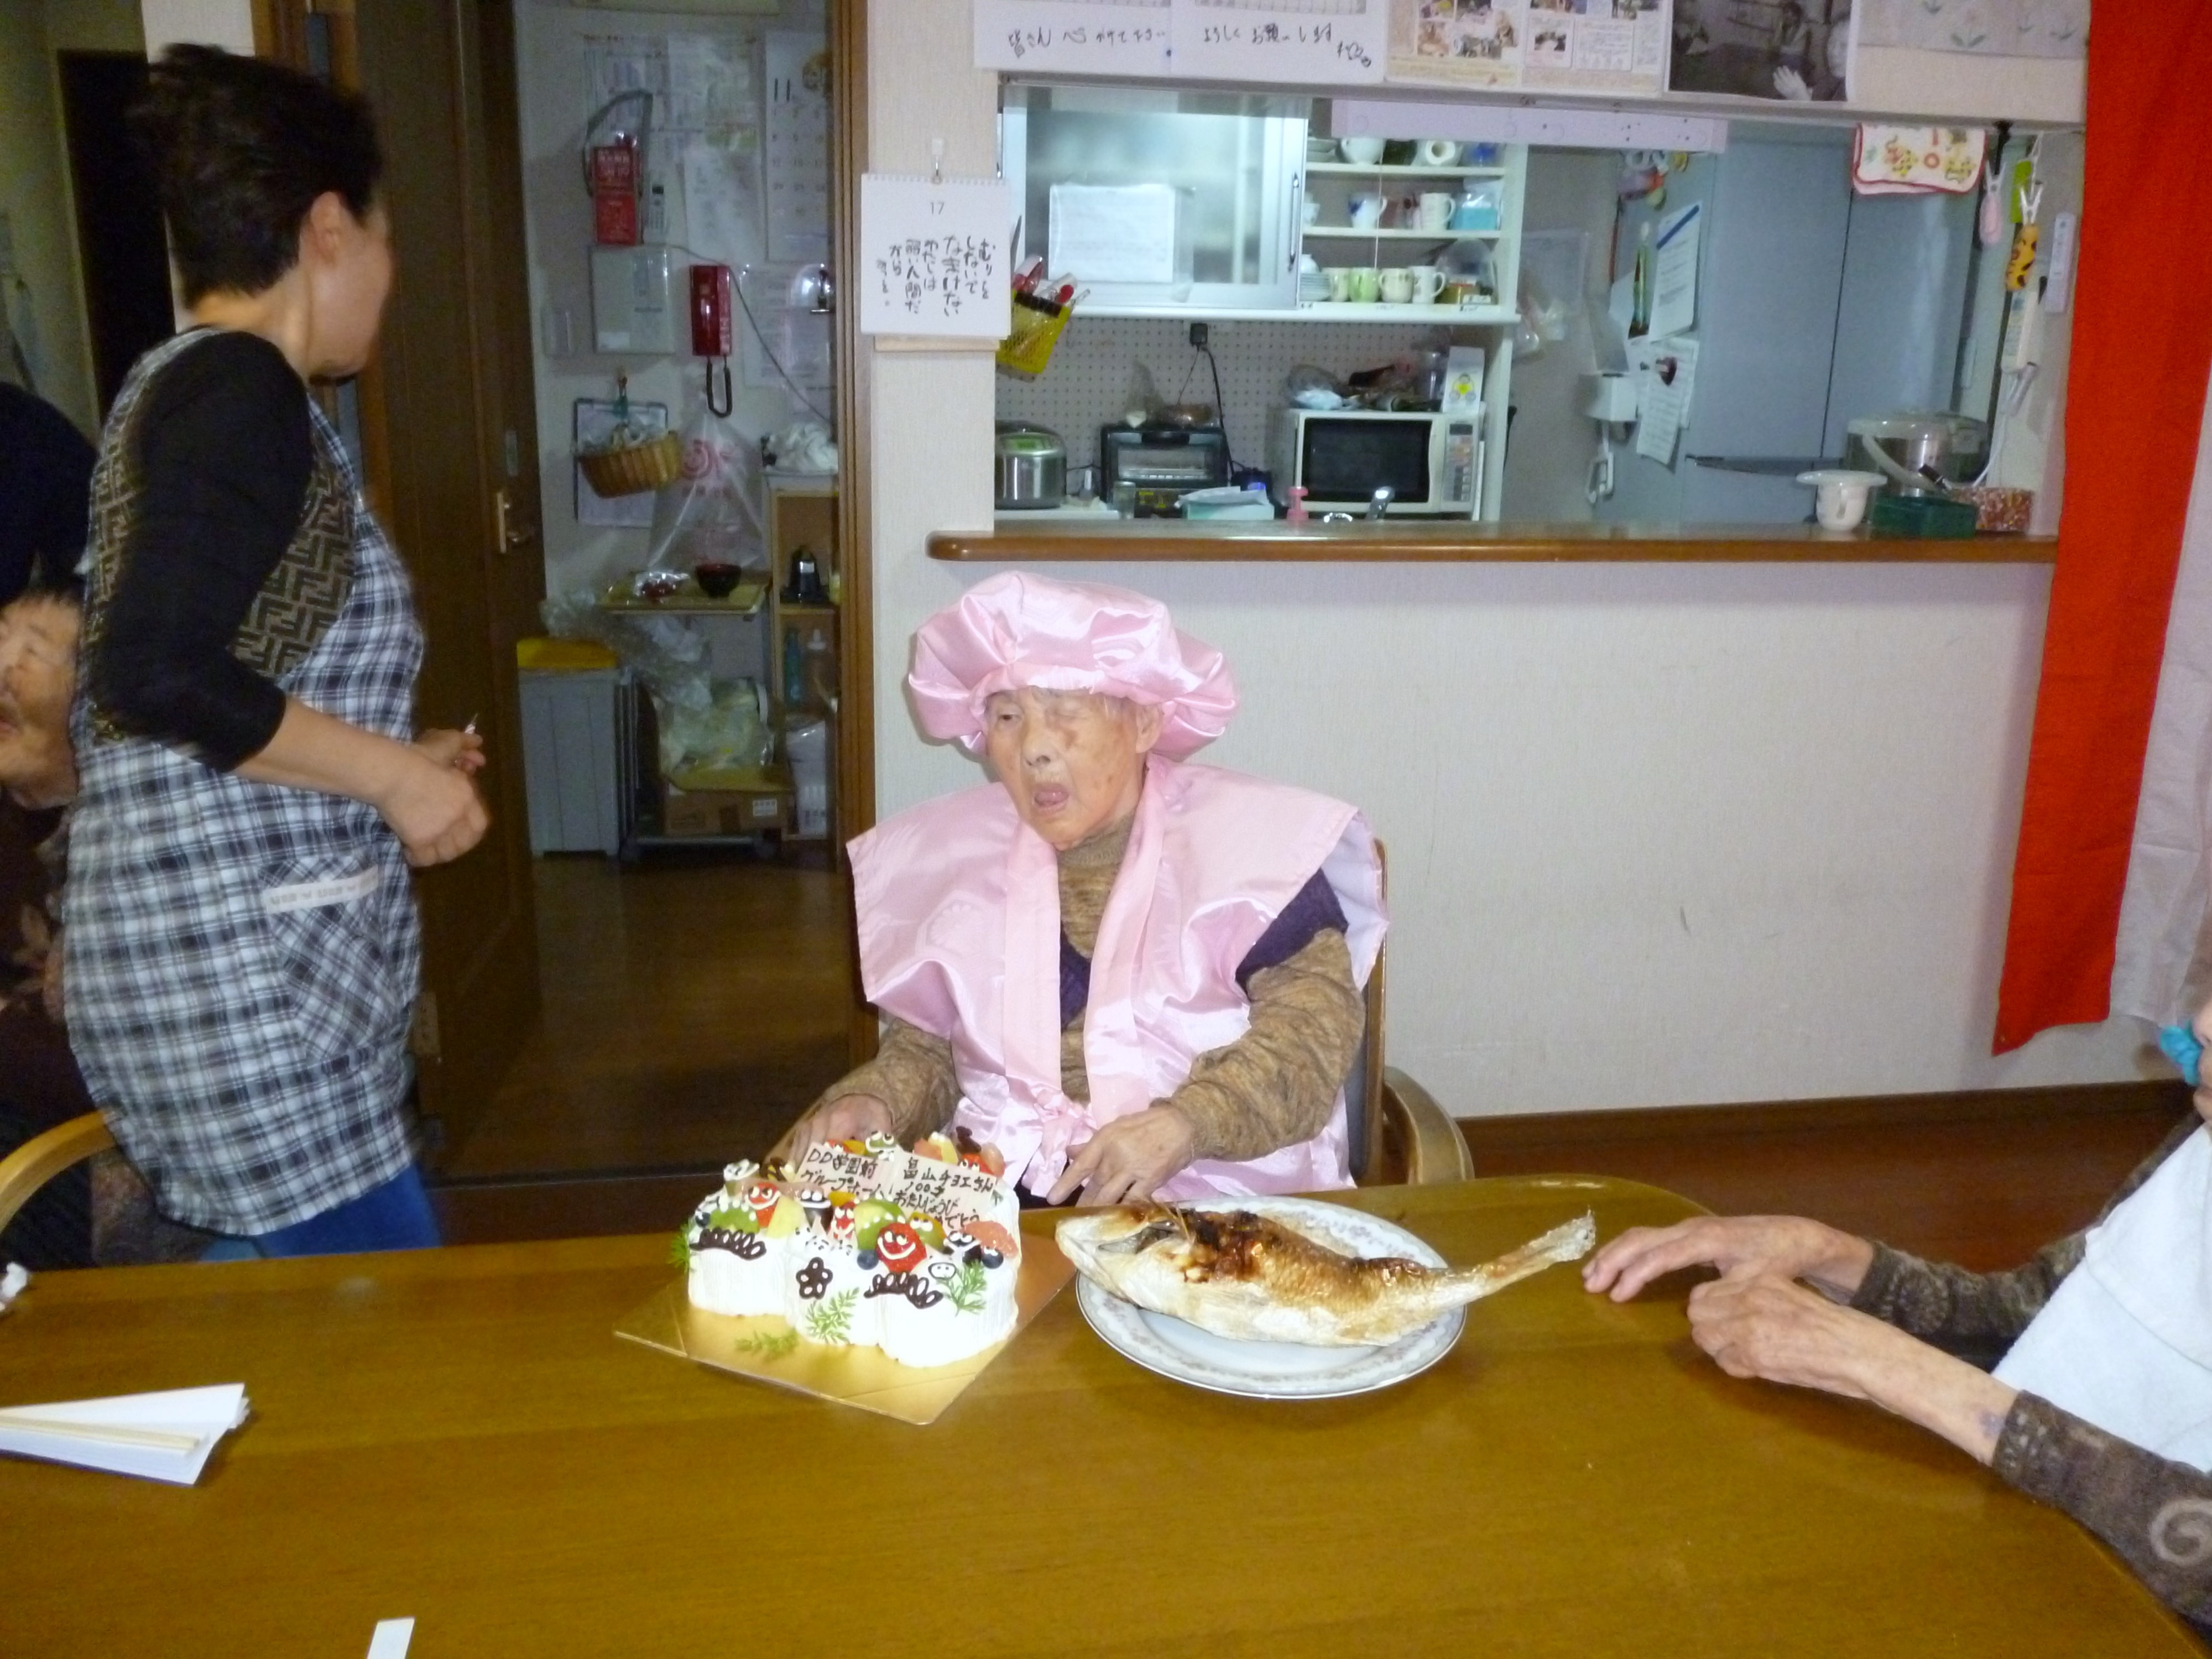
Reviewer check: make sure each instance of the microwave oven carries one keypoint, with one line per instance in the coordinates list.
(1432, 462)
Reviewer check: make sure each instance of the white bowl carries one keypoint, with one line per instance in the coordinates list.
(1364, 151)
(1840, 495)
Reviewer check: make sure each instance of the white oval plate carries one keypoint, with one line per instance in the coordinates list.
(1278, 1371)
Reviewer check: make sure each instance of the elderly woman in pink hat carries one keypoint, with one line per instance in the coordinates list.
(1134, 976)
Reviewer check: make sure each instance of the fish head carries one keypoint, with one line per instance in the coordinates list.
(1102, 1240)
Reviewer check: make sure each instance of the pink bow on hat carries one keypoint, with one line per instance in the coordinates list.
(1015, 630)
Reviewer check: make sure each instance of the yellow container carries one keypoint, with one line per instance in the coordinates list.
(1037, 326)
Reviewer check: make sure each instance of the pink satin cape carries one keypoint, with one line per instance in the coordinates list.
(958, 903)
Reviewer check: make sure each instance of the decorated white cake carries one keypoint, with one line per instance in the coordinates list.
(864, 1243)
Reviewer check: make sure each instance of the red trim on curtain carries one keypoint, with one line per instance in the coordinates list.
(2141, 350)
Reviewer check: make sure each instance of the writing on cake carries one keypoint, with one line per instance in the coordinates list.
(864, 1243)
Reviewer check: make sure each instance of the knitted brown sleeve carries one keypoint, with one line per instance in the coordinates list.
(1974, 1315)
(2156, 1514)
(912, 1073)
(1275, 1085)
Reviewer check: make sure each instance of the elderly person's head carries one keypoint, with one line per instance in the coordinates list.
(37, 676)
(1066, 688)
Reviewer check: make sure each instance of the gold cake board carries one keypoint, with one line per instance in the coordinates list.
(765, 1347)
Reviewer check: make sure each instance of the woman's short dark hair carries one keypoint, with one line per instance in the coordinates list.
(242, 147)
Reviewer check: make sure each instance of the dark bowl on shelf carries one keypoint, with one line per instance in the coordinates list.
(716, 580)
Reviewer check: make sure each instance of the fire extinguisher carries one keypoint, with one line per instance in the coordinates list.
(712, 332)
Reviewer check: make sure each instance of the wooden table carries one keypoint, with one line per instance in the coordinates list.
(456, 1435)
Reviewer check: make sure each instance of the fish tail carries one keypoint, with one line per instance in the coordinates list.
(1570, 1241)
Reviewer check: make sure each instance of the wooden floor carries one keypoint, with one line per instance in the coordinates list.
(694, 1005)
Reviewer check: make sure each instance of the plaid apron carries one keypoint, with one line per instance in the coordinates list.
(241, 959)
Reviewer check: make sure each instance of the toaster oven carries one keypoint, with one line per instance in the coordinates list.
(1163, 463)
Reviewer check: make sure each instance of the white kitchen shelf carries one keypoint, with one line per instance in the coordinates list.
(1317, 311)
(1353, 170)
(1392, 233)
(1353, 311)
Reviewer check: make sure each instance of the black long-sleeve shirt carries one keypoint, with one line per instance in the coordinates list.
(224, 454)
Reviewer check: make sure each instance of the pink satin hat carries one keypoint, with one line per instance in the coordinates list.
(1015, 630)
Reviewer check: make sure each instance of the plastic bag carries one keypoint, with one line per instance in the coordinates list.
(670, 657)
(727, 734)
(707, 516)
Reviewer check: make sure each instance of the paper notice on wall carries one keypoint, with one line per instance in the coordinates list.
(618, 64)
(1114, 233)
(1074, 37)
(720, 205)
(710, 84)
(796, 170)
(1329, 42)
(1666, 372)
(934, 256)
(1674, 272)
(1563, 45)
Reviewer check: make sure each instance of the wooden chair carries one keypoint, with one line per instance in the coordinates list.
(42, 1158)
(1399, 1132)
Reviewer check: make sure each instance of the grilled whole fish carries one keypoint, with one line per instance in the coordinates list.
(1258, 1278)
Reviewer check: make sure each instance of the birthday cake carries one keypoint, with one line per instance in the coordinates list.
(863, 1244)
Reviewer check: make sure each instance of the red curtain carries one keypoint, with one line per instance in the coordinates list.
(2141, 349)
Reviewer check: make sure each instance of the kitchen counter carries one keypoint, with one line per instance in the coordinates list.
(1092, 538)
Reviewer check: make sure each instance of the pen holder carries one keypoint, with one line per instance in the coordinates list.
(1037, 326)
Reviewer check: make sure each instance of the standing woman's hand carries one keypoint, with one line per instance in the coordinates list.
(462, 751)
(432, 803)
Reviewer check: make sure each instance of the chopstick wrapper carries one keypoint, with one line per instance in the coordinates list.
(158, 1436)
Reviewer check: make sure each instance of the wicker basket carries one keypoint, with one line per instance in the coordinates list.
(637, 467)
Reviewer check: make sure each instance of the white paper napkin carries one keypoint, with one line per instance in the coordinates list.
(160, 1437)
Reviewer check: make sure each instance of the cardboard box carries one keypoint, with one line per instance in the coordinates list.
(724, 811)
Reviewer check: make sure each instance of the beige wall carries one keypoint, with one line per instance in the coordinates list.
(1658, 834)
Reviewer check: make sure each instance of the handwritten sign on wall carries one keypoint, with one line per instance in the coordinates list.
(1075, 36)
(1323, 42)
(934, 256)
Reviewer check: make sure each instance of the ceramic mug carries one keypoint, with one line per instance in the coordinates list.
(1366, 210)
(1438, 152)
(1363, 151)
(1395, 286)
(1436, 209)
(1339, 278)
(1365, 284)
(1428, 284)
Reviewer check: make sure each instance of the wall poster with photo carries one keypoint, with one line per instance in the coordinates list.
(1797, 50)
(1558, 45)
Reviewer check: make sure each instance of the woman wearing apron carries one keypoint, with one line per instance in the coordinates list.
(242, 946)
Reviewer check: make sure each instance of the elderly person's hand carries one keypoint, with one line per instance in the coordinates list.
(1785, 1247)
(1761, 1325)
(1128, 1157)
(848, 1117)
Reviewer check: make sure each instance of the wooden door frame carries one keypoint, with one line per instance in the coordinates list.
(856, 669)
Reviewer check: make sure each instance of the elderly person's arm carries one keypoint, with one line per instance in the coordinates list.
(1276, 1084)
(2155, 1513)
(906, 1091)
